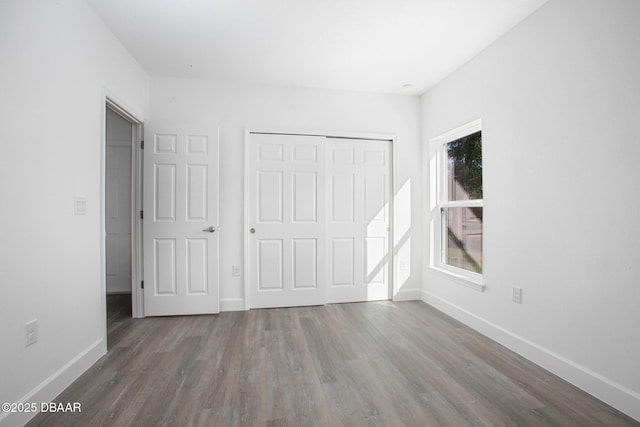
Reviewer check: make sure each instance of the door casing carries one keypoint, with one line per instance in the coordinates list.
(108, 102)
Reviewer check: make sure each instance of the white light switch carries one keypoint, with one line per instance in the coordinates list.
(80, 206)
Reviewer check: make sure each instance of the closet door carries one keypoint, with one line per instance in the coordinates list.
(359, 181)
(286, 215)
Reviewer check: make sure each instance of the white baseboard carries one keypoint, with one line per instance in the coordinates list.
(408, 295)
(232, 304)
(48, 389)
(237, 304)
(610, 392)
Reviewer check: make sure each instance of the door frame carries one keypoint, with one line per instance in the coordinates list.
(391, 138)
(137, 132)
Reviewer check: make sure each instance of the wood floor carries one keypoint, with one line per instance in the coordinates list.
(368, 364)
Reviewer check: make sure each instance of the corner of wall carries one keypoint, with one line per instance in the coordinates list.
(52, 386)
(407, 295)
(232, 304)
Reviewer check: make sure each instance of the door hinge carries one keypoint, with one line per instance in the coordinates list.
(142, 145)
(142, 284)
(141, 214)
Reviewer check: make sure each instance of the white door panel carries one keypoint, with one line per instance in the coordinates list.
(319, 212)
(359, 176)
(180, 204)
(286, 252)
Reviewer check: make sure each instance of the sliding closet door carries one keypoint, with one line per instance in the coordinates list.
(318, 219)
(358, 223)
(286, 196)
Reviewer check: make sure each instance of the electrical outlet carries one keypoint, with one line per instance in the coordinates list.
(80, 206)
(30, 332)
(236, 271)
(517, 295)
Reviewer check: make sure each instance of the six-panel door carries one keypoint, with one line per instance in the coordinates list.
(180, 205)
(319, 220)
(358, 176)
(286, 253)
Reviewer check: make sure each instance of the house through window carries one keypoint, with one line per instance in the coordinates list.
(459, 212)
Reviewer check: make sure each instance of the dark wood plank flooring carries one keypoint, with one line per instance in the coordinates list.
(368, 364)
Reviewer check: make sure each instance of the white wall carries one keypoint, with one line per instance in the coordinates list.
(559, 101)
(57, 60)
(237, 107)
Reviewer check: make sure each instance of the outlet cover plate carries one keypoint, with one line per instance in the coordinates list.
(517, 295)
(31, 332)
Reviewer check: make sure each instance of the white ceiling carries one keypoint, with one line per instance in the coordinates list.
(363, 45)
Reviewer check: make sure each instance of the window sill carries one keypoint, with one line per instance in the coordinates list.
(462, 279)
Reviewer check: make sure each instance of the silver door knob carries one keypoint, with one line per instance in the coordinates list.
(252, 230)
(211, 229)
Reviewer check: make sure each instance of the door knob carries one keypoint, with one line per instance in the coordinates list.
(211, 229)
(252, 230)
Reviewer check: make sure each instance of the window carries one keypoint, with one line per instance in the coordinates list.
(457, 217)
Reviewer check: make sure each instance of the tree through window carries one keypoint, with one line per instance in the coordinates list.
(460, 199)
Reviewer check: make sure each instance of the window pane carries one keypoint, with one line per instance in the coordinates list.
(464, 168)
(462, 244)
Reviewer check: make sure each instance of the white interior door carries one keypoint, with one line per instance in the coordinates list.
(118, 204)
(358, 223)
(180, 219)
(286, 193)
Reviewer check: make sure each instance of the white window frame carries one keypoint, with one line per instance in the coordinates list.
(438, 150)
